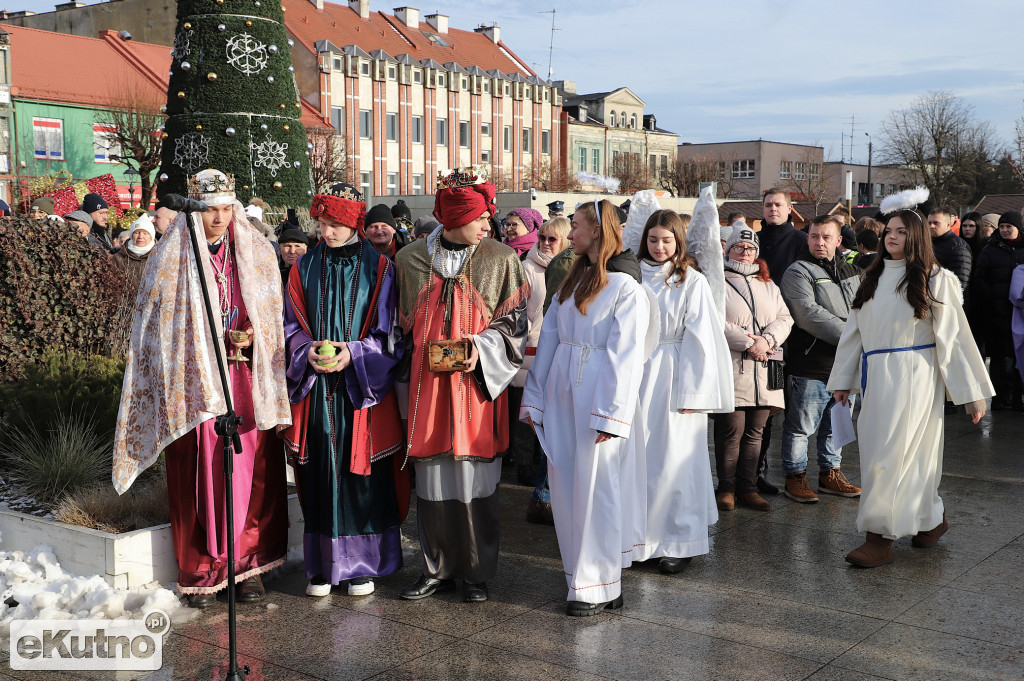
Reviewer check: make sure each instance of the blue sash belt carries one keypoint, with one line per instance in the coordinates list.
(864, 360)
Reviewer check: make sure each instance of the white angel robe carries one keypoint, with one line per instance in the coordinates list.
(690, 369)
(586, 378)
(900, 429)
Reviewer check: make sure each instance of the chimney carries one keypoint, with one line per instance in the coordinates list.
(492, 32)
(410, 16)
(566, 86)
(69, 5)
(319, 4)
(438, 21)
(361, 6)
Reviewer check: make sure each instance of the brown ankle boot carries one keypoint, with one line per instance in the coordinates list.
(753, 500)
(875, 551)
(929, 538)
(726, 500)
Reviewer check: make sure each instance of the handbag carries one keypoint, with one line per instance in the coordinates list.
(447, 355)
(776, 367)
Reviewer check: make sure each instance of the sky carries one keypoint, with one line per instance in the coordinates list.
(803, 71)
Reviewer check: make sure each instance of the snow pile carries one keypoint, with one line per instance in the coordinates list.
(33, 586)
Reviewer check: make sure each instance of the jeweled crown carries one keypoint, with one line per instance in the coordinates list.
(456, 179)
(210, 183)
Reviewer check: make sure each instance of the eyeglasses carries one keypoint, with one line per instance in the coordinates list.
(744, 249)
(548, 239)
(37, 210)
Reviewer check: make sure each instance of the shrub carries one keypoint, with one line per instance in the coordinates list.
(101, 508)
(60, 385)
(68, 457)
(57, 292)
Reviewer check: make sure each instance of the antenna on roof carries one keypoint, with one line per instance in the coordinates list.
(551, 47)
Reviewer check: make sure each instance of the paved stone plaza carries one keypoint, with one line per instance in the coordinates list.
(773, 601)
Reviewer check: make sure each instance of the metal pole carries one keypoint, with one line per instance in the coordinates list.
(871, 187)
(227, 427)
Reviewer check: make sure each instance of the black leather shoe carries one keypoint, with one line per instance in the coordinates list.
(425, 587)
(670, 566)
(474, 593)
(201, 600)
(251, 590)
(765, 487)
(581, 609)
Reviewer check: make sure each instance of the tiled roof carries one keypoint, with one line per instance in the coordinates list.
(1000, 203)
(71, 69)
(342, 26)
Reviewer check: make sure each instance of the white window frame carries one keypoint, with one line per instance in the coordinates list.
(441, 79)
(392, 72)
(365, 132)
(337, 64)
(417, 76)
(392, 184)
(417, 129)
(364, 68)
(104, 145)
(48, 138)
(487, 87)
(365, 182)
(785, 170)
(506, 139)
(485, 129)
(485, 156)
(338, 119)
(595, 157)
(442, 132)
(508, 89)
(391, 127)
(464, 83)
(527, 140)
(744, 169)
(583, 160)
(417, 184)
(464, 135)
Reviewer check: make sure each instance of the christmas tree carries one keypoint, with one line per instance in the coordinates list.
(232, 102)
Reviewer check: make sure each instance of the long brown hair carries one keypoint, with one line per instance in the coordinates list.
(586, 280)
(921, 264)
(673, 222)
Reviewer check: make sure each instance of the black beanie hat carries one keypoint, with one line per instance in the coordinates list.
(1012, 217)
(293, 235)
(400, 210)
(380, 213)
(93, 202)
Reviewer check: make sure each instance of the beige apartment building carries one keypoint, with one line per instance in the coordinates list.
(409, 96)
(606, 128)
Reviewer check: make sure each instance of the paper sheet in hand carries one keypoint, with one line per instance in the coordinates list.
(842, 425)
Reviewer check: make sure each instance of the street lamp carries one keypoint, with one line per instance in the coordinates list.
(871, 187)
(131, 174)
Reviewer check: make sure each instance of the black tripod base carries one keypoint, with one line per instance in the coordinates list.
(239, 675)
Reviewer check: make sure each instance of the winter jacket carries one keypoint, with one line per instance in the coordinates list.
(1017, 320)
(990, 291)
(818, 294)
(954, 254)
(132, 265)
(780, 246)
(773, 318)
(535, 264)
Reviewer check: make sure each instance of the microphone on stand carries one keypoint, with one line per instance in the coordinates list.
(179, 203)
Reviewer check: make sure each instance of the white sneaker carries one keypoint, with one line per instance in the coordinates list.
(319, 590)
(360, 586)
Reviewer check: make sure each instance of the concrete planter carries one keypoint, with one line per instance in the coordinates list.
(125, 561)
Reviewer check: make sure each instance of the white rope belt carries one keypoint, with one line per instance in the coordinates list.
(585, 351)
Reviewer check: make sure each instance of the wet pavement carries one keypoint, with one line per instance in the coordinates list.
(774, 600)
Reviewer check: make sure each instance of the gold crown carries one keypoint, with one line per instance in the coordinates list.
(455, 179)
(213, 183)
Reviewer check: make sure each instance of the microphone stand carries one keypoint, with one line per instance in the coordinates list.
(225, 426)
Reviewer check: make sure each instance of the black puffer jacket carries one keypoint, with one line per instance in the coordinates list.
(990, 291)
(954, 254)
(780, 246)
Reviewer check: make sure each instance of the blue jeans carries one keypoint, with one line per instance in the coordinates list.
(808, 409)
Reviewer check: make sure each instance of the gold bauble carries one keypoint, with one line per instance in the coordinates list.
(220, 2)
(199, 126)
(245, 187)
(282, 106)
(212, 77)
(278, 185)
(298, 105)
(181, 95)
(248, 23)
(286, 128)
(164, 136)
(186, 25)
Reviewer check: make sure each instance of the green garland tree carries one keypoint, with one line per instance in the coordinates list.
(232, 102)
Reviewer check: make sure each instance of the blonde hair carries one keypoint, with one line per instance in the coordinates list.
(589, 279)
(557, 227)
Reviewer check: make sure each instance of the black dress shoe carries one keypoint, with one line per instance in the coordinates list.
(582, 609)
(201, 600)
(474, 593)
(539, 513)
(765, 487)
(251, 590)
(670, 566)
(424, 587)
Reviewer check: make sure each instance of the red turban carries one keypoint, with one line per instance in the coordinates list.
(342, 204)
(458, 206)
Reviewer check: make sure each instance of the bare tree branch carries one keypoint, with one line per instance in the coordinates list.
(135, 120)
(327, 157)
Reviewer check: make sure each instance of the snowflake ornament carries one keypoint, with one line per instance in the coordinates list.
(191, 152)
(182, 45)
(247, 54)
(270, 155)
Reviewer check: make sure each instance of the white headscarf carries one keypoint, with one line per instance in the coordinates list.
(145, 223)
